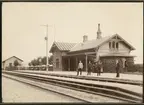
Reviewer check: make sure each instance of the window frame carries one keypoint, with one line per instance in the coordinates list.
(113, 45)
(110, 43)
(117, 45)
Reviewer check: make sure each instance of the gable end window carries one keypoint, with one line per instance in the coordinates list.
(113, 45)
(117, 45)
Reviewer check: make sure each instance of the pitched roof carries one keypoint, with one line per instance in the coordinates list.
(89, 44)
(72, 47)
(63, 46)
(96, 43)
(12, 57)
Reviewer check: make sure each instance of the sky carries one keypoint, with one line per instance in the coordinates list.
(23, 33)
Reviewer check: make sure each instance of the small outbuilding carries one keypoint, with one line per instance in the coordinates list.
(9, 63)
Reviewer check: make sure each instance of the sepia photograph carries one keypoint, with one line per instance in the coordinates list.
(72, 52)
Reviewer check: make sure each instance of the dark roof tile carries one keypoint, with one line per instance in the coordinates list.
(64, 46)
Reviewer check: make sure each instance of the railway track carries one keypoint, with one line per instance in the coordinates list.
(122, 81)
(108, 91)
(41, 87)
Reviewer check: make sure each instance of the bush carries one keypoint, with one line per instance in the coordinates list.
(136, 68)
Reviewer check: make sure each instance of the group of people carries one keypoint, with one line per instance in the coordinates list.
(92, 67)
(98, 67)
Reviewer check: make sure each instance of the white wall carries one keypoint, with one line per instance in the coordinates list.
(104, 49)
(57, 55)
(11, 60)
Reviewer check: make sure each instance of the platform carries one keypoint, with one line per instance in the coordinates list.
(137, 89)
(103, 75)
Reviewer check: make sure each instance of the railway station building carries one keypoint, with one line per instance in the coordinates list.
(107, 49)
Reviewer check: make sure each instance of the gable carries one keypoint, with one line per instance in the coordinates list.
(125, 42)
(122, 46)
(13, 57)
(54, 48)
(116, 37)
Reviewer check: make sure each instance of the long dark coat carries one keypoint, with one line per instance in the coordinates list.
(95, 67)
(90, 67)
(117, 67)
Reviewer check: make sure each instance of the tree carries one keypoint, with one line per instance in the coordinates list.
(16, 63)
(44, 61)
(34, 62)
(29, 64)
(39, 61)
(51, 59)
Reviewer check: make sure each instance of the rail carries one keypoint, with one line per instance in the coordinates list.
(122, 81)
(108, 91)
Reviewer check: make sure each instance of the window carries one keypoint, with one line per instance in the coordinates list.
(57, 63)
(109, 45)
(10, 64)
(117, 45)
(113, 45)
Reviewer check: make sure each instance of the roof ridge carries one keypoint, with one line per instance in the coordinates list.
(98, 39)
(90, 44)
(65, 42)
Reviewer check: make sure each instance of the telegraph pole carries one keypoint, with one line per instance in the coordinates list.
(46, 38)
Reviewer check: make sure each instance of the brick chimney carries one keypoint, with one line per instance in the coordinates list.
(85, 38)
(99, 32)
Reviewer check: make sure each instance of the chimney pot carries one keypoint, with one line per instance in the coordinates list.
(85, 38)
(99, 32)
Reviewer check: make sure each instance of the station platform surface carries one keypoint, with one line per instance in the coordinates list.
(137, 89)
(103, 75)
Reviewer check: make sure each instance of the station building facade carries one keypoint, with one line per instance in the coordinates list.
(107, 49)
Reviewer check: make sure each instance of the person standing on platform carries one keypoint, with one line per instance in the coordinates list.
(126, 66)
(95, 67)
(99, 68)
(80, 68)
(89, 68)
(117, 68)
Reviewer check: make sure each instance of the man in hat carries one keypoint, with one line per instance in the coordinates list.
(80, 67)
(117, 68)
